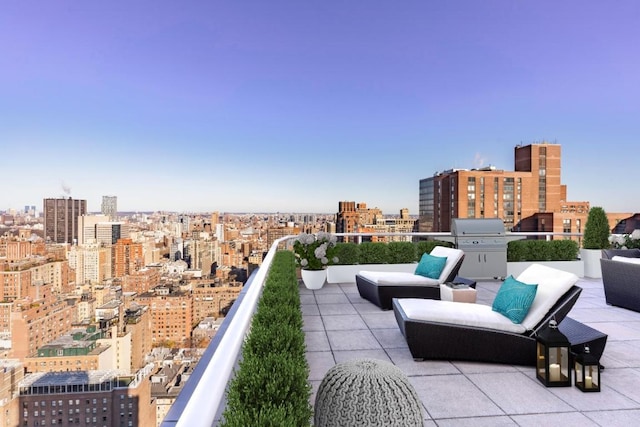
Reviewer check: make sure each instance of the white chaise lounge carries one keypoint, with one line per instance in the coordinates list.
(459, 331)
(380, 287)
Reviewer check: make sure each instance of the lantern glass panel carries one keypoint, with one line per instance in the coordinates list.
(541, 361)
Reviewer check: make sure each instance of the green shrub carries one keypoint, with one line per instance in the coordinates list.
(596, 230)
(401, 252)
(271, 387)
(347, 253)
(266, 339)
(542, 250)
(564, 250)
(373, 253)
(516, 251)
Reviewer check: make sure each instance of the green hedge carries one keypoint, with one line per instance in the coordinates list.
(542, 250)
(401, 252)
(270, 386)
(350, 253)
(347, 253)
(373, 253)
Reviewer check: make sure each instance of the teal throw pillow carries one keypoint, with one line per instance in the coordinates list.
(431, 266)
(514, 299)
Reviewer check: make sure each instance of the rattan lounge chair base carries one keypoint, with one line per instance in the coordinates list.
(442, 341)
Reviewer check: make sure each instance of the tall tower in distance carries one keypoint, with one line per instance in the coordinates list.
(110, 207)
(61, 219)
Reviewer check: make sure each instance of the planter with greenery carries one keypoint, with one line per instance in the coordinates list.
(595, 238)
(314, 253)
(271, 386)
(377, 256)
(560, 254)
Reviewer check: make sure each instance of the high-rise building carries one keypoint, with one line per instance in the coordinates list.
(530, 198)
(110, 207)
(61, 219)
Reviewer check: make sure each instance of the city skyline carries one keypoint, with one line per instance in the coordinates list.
(292, 107)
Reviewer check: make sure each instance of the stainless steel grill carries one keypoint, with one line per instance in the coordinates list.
(484, 243)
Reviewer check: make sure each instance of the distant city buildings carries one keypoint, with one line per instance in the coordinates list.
(355, 217)
(102, 318)
(530, 198)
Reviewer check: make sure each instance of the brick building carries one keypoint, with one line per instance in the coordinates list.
(171, 315)
(530, 198)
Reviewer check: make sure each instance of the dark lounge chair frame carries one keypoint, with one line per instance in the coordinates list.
(442, 341)
(621, 280)
(382, 295)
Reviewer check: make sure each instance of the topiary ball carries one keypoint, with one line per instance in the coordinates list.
(366, 392)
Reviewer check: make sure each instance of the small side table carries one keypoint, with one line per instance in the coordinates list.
(580, 335)
(457, 292)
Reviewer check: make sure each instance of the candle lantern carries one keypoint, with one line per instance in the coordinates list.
(587, 371)
(553, 349)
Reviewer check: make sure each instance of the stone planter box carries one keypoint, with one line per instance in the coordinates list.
(591, 258)
(575, 267)
(347, 273)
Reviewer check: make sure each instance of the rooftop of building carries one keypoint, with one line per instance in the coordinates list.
(340, 326)
(68, 378)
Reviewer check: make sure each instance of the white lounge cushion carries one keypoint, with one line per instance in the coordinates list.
(626, 259)
(552, 284)
(458, 313)
(388, 278)
(453, 256)
(394, 278)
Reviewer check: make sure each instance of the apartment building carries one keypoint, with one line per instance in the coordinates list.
(137, 323)
(77, 350)
(61, 219)
(171, 314)
(89, 398)
(39, 319)
(141, 281)
(91, 263)
(127, 258)
(529, 198)
(210, 298)
(11, 373)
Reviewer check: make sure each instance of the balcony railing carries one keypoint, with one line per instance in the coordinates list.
(201, 402)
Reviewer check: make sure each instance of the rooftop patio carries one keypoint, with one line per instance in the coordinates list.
(340, 326)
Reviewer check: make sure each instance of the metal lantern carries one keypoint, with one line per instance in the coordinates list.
(553, 351)
(587, 371)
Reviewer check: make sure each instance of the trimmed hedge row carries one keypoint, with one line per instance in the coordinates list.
(542, 250)
(271, 387)
(349, 253)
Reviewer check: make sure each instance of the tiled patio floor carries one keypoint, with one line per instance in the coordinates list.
(340, 326)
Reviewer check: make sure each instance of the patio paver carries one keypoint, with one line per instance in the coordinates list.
(340, 326)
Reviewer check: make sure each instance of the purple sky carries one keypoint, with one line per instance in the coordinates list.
(296, 105)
